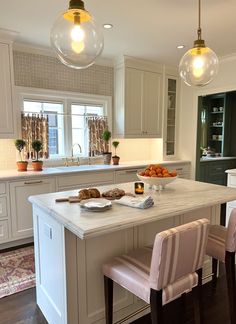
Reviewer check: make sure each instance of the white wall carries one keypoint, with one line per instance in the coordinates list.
(225, 81)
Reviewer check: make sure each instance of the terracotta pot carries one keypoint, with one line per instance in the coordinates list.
(37, 165)
(107, 157)
(22, 166)
(115, 160)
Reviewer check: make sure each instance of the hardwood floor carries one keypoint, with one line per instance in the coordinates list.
(21, 308)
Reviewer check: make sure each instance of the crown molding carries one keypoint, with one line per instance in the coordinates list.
(8, 35)
(40, 50)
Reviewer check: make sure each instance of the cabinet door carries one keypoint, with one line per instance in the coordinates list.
(133, 102)
(151, 105)
(170, 116)
(21, 209)
(6, 104)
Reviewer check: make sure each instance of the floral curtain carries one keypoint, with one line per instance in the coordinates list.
(35, 126)
(96, 127)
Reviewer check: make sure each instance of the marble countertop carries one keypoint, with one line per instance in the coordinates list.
(179, 197)
(217, 158)
(59, 170)
(231, 171)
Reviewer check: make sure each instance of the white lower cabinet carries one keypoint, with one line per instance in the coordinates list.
(4, 230)
(127, 175)
(21, 209)
(84, 179)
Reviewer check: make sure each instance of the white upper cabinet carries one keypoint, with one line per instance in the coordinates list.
(138, 100)
(7, 126)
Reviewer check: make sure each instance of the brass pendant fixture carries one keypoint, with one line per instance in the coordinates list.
(76, 38)
(199, 65)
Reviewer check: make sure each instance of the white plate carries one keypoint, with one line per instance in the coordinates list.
(96, 204)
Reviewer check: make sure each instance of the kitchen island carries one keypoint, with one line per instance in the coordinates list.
(71, 245)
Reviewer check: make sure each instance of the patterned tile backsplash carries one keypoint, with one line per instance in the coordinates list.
(41, 71)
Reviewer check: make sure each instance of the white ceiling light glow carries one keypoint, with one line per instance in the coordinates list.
(199, 65)
(108, 26)
(76, 38)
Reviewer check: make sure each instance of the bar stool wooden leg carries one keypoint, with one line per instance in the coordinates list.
(197, 299)
(156, 306)
(214, 271)
(108, 288)
(230, 276)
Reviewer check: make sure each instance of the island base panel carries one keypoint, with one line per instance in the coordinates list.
(81, 284)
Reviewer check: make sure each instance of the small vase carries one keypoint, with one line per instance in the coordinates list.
(115, 160)
(107, 157)
(22, 166)
(37, 165)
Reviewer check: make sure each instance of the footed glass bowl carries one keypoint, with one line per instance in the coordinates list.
(155, 181)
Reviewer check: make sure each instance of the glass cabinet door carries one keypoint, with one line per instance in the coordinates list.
(170, 133)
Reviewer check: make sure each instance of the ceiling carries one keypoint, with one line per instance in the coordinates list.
(145, 29)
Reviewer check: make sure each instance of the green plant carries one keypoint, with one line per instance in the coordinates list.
(37, 146)
(115, 144)
(106, 136)
(20, 144)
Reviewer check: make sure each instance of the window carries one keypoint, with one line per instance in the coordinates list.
(67, 117)
(54, 111)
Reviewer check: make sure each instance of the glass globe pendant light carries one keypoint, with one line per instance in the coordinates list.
(76, 37)
(199, 65)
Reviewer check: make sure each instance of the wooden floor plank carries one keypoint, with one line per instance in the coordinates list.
(21, 308)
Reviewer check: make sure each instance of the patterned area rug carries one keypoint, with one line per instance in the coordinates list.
(17, 271)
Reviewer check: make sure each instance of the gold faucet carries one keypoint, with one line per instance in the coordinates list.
(72, 159)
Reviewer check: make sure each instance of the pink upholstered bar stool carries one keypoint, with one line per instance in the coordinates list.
(221, 246)
(163, 273)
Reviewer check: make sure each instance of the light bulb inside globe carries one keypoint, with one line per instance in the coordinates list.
(198, 66)
(77, 36)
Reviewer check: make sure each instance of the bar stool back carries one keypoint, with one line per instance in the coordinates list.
(163, 273)
(221, 246)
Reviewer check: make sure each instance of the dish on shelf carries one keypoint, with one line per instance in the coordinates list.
(96, 205)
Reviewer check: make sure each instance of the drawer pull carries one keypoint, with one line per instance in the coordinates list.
(32, 182)
(131, 171)
(219, 169)
(179, 169)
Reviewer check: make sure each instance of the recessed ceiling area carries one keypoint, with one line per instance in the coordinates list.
(144, 29)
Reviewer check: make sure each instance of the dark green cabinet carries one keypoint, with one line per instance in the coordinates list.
(214, 171)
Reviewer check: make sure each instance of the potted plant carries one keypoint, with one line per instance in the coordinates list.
(106, 136)
(21, 165)
(115, 157)
(37, 146)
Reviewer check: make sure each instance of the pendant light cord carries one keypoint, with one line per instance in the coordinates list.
(199, 31)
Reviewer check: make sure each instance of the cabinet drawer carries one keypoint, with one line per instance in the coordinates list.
(216, 169)
(85, 178)
(2, 188)
(4, 232)
(127, 175)
(3, 207)
(231, 180)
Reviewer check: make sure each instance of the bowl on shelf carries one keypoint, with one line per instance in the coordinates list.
(160, 183)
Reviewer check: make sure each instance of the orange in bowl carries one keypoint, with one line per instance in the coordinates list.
(157, 175)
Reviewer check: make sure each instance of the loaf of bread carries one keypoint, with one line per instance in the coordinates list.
(84, 194)
(114, 193)
(89, 193)
(94, 193)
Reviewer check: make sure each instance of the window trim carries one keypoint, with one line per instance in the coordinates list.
(66, 98)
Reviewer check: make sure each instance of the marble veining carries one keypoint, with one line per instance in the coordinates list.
(179, 197)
